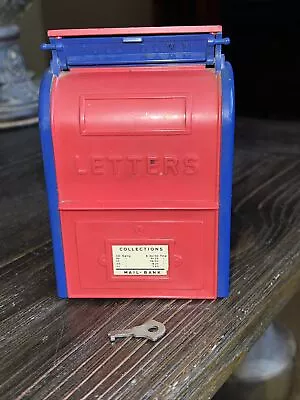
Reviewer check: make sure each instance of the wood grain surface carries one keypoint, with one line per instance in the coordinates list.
(59, 349)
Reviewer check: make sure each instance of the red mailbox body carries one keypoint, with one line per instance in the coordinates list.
(137, 164)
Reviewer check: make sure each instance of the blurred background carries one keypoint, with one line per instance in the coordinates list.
(264, 40)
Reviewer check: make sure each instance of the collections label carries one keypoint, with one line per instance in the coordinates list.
(146, 260)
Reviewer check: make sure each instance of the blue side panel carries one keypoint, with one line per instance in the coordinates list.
(50, 176)
(226, 169)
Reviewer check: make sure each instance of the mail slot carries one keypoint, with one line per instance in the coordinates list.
(137, 132)
(134, 115)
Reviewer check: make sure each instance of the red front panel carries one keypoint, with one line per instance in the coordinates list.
(90, 235)
(137, 158)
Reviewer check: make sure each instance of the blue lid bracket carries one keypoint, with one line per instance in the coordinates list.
(135, 50)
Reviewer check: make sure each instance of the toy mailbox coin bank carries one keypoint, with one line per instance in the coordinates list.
(137, 137)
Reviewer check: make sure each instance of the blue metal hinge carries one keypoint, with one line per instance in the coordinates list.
(59, 59)
(218, 42)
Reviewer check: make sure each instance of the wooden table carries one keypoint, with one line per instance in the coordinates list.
(59, 349)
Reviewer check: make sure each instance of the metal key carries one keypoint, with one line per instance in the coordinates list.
(151, 329)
